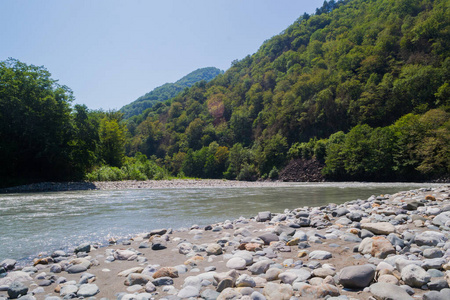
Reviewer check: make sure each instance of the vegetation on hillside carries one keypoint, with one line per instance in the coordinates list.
(361, 87)
(167, 91)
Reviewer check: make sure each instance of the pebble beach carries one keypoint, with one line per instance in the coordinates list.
(384, 247)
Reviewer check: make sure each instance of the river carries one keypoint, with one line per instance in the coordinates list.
(43, 222)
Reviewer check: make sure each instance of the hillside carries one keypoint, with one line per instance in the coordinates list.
(352, 63)
(168, 90)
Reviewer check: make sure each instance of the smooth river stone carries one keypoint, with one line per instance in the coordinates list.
(357, 276)
(387, 291)
(415, 276)
(379, 228)
(320, 254)
(237, 263)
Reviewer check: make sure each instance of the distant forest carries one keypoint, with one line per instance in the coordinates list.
(360, 88)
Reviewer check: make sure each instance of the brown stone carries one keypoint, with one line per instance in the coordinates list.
(194, 260)
(42, 261)
(166, 272)
(430, 197)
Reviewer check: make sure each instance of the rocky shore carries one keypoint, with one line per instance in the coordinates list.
(385, 247)
(134, 184)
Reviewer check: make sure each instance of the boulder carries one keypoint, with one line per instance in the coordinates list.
(356, 277)
(386, 291)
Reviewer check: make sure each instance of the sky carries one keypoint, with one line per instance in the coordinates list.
(111, 52)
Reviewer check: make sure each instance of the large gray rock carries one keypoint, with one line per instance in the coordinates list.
(441, 219)
(85, 247)
(264, 216)
(88, 290)
(245, 281)
(188, 292)
(378, 247)
(429, 238)
(357, 276)
(387, 291)
(76, 269)
(17, 289)
(8, 263)
(274, 291)
(260, 267)
(269, 237)
(19, 276)
(379, 228)
(237, 263)
(415, 276)
(435, 295)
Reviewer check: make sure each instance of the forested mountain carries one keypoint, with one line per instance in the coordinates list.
(168, 90)
(353, 63)
(360, 90)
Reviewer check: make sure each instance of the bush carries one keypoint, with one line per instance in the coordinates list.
(273, 173)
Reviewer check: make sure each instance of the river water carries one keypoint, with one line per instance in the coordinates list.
(43, 222)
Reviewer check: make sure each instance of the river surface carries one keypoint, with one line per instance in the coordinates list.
(43, 222)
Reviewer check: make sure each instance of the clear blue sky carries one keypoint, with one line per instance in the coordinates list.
(111, 52)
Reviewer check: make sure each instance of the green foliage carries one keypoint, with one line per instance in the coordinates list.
(134, 168)
(168, 91)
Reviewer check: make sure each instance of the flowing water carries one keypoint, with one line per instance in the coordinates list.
(44, 222)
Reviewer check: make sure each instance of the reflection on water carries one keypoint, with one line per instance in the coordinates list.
(31, 223)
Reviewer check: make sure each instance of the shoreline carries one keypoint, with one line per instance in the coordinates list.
(356, 250)
(165, 184)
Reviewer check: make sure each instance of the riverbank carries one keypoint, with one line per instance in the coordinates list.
(134, 184)
(385, 246)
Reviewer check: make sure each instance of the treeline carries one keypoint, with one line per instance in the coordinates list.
(42, 137)
(360, 86)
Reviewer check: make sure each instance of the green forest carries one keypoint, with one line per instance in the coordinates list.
(361, 88)
(167, 91)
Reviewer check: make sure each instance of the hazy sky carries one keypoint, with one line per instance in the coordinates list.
(110, 52)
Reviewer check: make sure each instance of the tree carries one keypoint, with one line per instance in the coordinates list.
(112, 139)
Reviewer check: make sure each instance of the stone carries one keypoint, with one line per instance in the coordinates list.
(163, 281)
(268, 238)
(55, 268)
(323, 272)
(237, 263)
(19, 276)
(320, 254)
(245, 281)
(387, 278)
(229, 294)
(209, 294)
(441, 219)
(287, 277)
(157, 232)
(386, 291)
(274, 291)
(137, 278)
(415, 276)
(214, 249)
(88, 290)
(68, 289)
(355, 277)
(263, 216)
(257, 296)
(166, 272)
(8, 264)
(127, 272)
(260, 267)
(433, 253)
(150, 287)
(383, 228)
(433, 263)
(378, 247)
(76, 269)
(121, 254)
(429, 238)
(17, 289)
(247, 256)
(438, 284)
(85, 247)
(188, 291)
(272, 274)
(435, 295)
(224, 284)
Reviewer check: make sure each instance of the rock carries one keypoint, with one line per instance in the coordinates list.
(163, 281)
(287, 277)
(386, 291)
(224, 284)
(323, 272)
(8, 264)
(357, 276)
(415, 276)
(260, 267)
(229, 294)
(237, 263)
(433, 253)
(441, 219)
(257, 296)
(264, 216)
(85, 247)
(378, 247)
(209, 294)
(320, 254)
(433, 263)
(384, 228)
(157, 232)
(387, 278)
(121, 254)
(150, 287)
(88, 290)
(137, 278)
(437, 284)
(14, 276)
(434, 295)
(274, 291)
(76, 269)
(214, 249)
(269, 237)
(166, 272)
(188, 291)
(69, 289)
(245, 281)
(17, 289)
(129, 271)
(429, 238)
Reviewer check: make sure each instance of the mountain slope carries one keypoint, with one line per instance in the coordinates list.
(168, 90)
(353, 62)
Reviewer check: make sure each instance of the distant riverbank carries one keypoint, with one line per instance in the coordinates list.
(134, 184)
